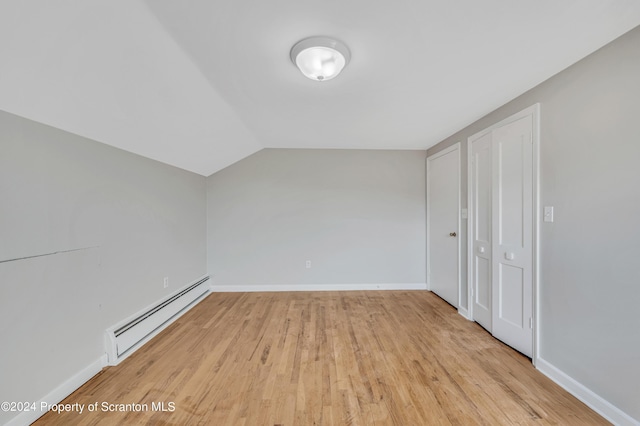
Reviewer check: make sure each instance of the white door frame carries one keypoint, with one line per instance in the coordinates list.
(452, 148)
(534, 111)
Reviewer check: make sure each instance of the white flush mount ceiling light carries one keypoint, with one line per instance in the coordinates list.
(320, 58)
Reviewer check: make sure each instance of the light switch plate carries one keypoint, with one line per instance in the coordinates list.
(548, 213)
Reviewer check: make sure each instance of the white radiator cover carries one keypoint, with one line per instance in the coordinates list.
(127, 336)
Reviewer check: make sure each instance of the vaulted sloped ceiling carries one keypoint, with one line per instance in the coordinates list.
(201, 84)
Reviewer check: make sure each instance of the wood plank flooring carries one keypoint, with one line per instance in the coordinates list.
(325, 358)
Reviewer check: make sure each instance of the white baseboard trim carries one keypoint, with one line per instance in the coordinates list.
(316, 287)
(586, 395)
(465, 313)
(59, 393)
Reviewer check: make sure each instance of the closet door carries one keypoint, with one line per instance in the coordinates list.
(481, 188)
(513, 234)
(501, 238)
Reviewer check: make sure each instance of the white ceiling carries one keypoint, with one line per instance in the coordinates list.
(201, 84)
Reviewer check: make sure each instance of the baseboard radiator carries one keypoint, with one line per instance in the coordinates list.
(123, 339)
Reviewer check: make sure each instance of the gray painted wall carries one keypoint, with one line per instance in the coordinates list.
(590, 279)
(130, 220)
(359, 216)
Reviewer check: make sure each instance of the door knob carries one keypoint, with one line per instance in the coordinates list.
(452, 234)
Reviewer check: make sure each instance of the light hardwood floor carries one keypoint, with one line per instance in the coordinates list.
(331, 358)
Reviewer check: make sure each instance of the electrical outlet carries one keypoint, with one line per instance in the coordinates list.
(308, 264)
(166, 282)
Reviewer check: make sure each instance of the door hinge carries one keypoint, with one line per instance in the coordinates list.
(530, 322)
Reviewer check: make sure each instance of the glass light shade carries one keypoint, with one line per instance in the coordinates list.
(320, 63)
(320, 58)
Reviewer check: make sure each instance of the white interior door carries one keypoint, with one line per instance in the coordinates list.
(481, 189)
(443, 206)
(513, 234)
(502, 229)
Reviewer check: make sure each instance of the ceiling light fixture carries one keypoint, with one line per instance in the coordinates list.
(320, 58)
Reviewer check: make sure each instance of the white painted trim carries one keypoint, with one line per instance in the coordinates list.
(534, 112)
(470, 217)
(109, 342)
(465, 313)
(536, 231)
(60, 392)
(221, 288)
(470, 230)
(452, 148)
(586, 395)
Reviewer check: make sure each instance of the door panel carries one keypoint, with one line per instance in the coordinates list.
(483, 293)
(481, 217)
(443, 186)
(511, 293)
(512, 243)
(510, 186)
